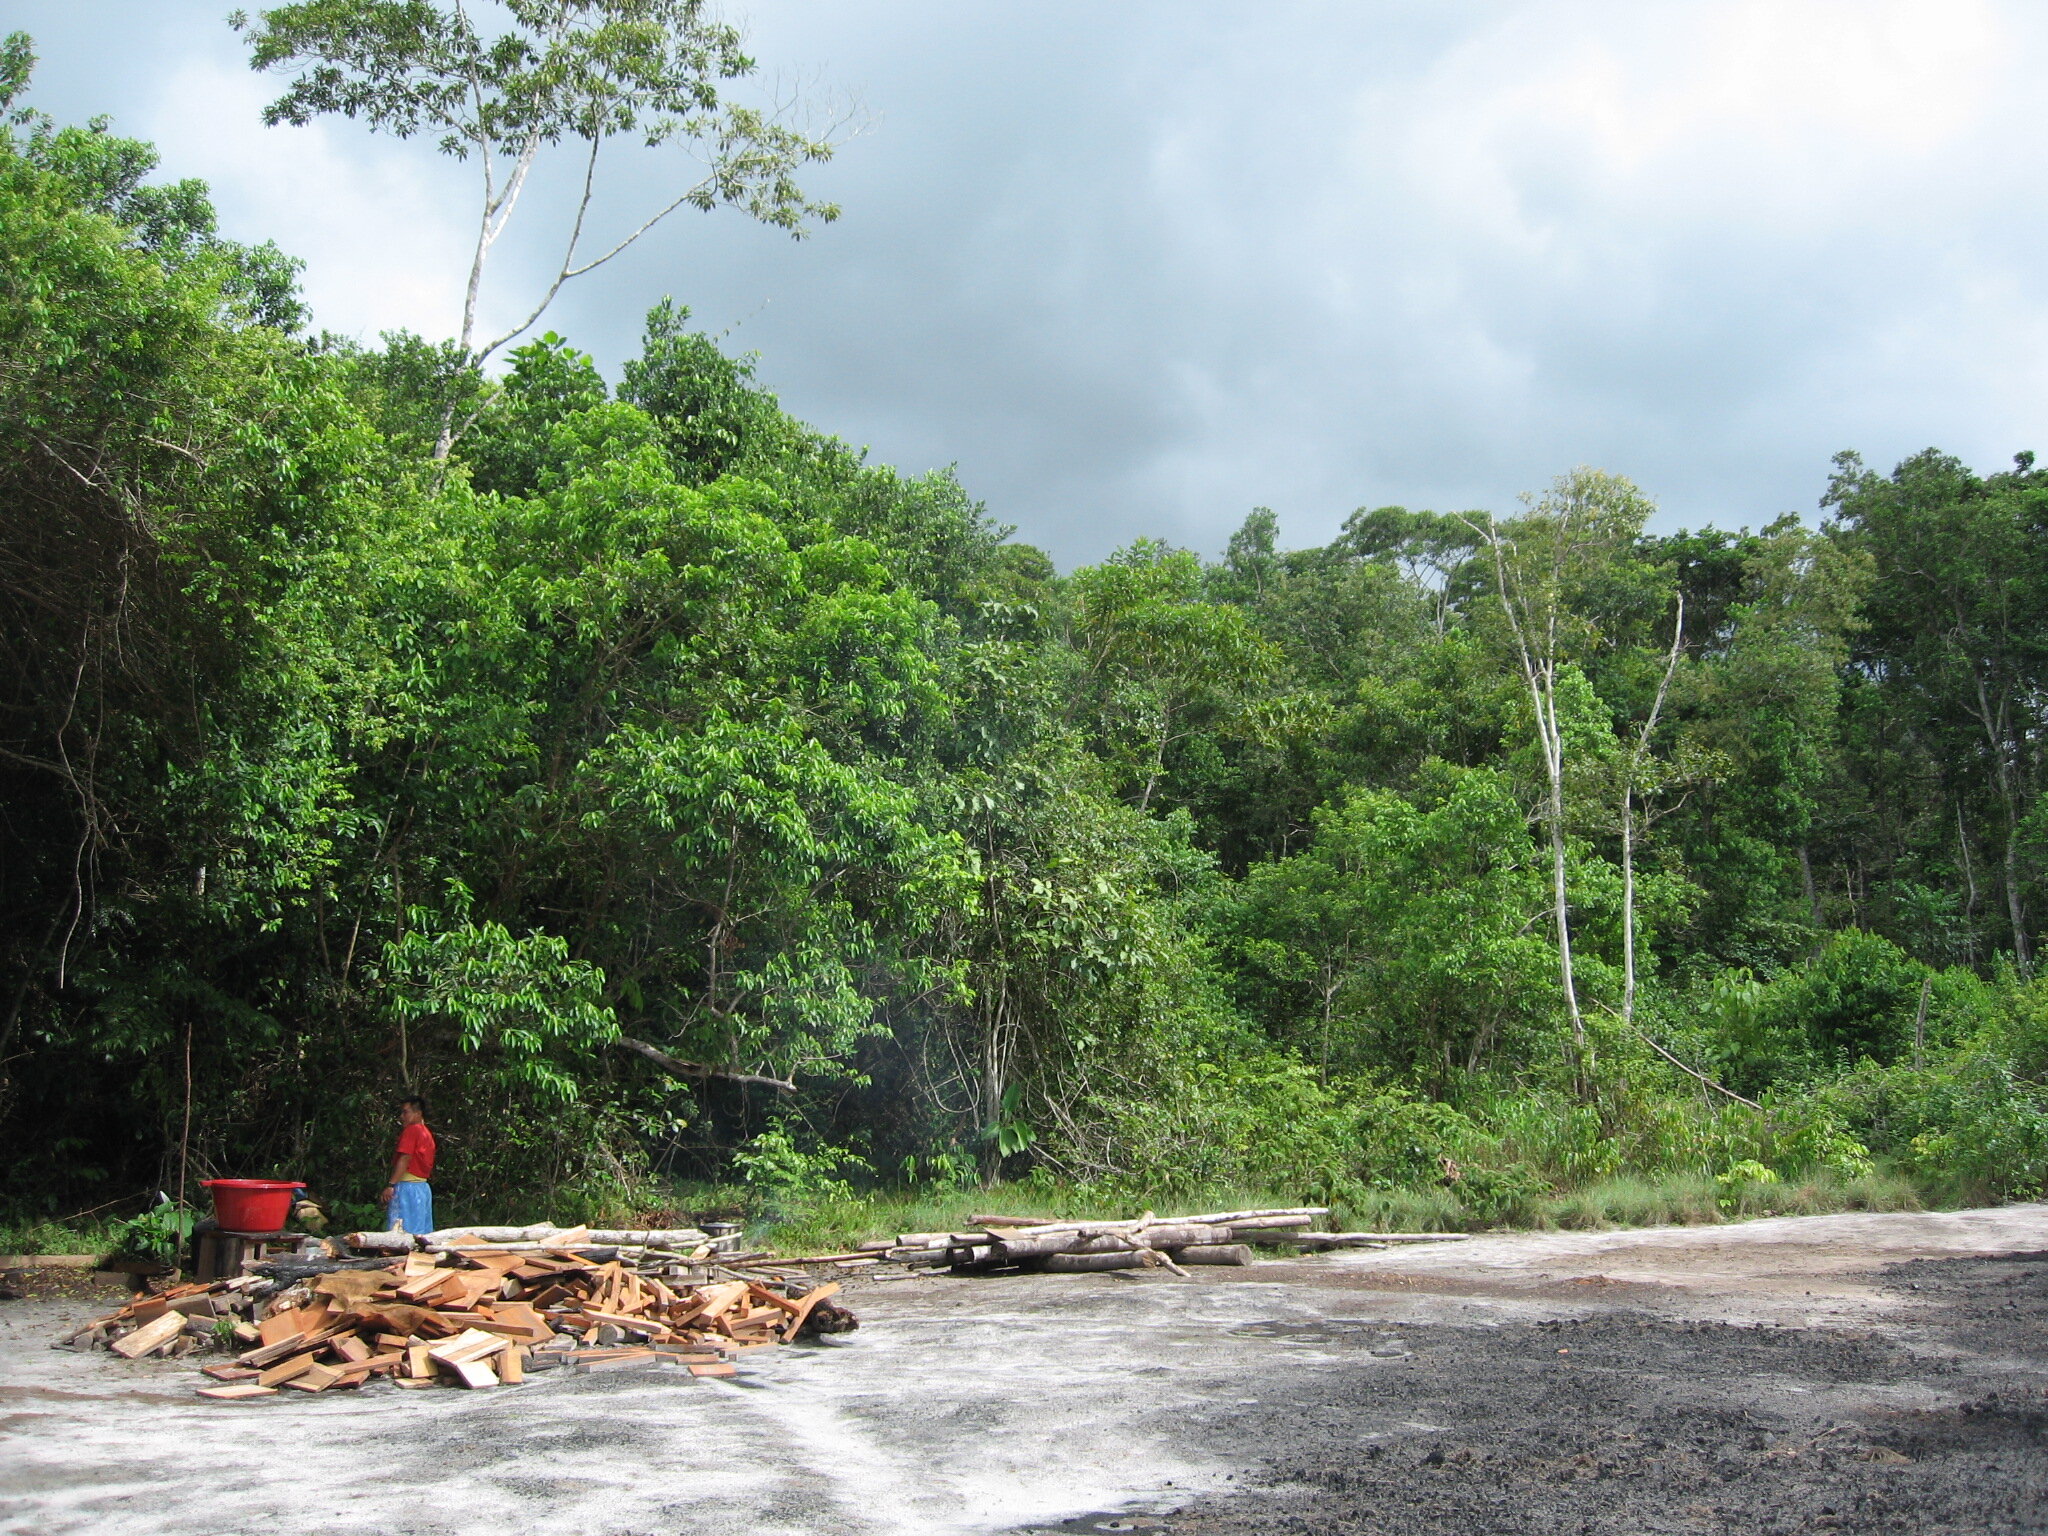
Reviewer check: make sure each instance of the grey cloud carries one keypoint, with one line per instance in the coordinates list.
(1139, 268)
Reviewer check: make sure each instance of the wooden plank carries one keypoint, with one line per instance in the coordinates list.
(314, 1378)
(285, 1370)
(350, 1348)
(804, 1305)
(316, 1314)
(523, 1333)
(430, 1284)
(714, 1301)
(771, 1298)
(512, 1366)
(474, 1373)
(240, 1391)
(230, 1372)
(271, 1353)
(721, 1368)
(151, 1336)
(474, 1344)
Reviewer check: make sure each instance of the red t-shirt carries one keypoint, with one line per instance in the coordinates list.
(417, 1143)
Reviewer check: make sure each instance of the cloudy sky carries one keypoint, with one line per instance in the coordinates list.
(1139, 267)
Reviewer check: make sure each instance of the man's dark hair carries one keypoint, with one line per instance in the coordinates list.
(414, 1102)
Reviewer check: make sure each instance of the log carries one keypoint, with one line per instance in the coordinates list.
(1163, 1237)
(1364, 1239)
(1255, 1218)
(1215, 1253)
(1270, 1223)
(1039, 1245)
(1219, 1219)
(1089, 1263)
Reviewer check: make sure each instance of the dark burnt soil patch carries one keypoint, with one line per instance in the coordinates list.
(1627, 1423)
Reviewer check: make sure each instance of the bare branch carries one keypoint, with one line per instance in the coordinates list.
(677, 1067)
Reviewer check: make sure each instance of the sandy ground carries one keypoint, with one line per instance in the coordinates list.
(1854, 1372)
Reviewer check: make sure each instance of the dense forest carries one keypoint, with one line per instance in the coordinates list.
(672, 794)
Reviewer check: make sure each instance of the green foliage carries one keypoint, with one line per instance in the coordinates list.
(787, 1170)
(160, 1233)
(521, 1000)
(342, 762)
(1401, 935)
(510, 449)
(1967, 1128)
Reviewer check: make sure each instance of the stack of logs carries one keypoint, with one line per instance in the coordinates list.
(1025, 1244)
(467, 1312)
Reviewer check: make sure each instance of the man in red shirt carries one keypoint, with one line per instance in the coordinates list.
(409, 1199)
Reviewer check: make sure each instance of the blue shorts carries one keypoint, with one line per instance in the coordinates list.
(412, 1207)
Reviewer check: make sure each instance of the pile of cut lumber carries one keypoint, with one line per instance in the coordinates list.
(471, 1314)
(1023, 1244)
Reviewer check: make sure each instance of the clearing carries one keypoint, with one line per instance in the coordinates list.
(1852, 1373)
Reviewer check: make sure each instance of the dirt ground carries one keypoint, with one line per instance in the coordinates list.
(1880, 1373)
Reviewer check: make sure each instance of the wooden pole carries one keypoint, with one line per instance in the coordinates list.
(185, 1131)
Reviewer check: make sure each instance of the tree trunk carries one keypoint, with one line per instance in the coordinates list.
(1628, 820)
(1560, 903)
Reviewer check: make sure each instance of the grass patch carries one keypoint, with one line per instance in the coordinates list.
(57, 1237)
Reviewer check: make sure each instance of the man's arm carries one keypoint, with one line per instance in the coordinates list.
(400, 1166)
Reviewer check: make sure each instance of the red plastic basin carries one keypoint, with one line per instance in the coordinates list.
(251, 1205)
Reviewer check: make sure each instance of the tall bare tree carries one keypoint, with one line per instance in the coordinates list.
(1545, 564)
(535, 76)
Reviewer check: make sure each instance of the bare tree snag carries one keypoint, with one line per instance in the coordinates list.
(675, 1066)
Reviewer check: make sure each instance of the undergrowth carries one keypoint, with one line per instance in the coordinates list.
(791, 1224)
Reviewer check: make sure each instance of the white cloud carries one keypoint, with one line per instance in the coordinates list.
(380, 224)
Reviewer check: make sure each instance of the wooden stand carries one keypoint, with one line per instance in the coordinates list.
(222, 1255)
